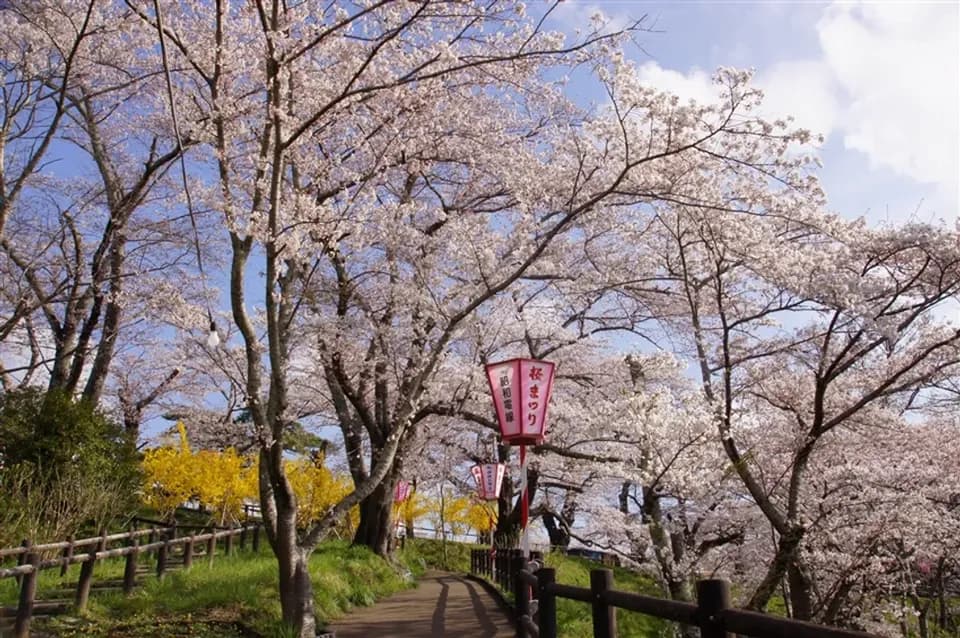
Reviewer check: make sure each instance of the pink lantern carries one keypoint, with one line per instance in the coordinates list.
(489, 478)
(401, 492)
(521, 391)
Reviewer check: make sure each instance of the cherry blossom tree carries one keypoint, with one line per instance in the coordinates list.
(804, 326)
(403, 192)
(81, 251)
(400, 167)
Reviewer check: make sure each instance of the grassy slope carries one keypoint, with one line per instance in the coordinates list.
(238, 596)
(573, 617)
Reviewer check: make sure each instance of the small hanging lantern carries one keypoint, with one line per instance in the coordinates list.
(521, 391)
(489, 478)
(401, 491)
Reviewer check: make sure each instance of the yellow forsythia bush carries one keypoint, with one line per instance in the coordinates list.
(408, 511)
(222, 481)
(316, 487)
(481, 516)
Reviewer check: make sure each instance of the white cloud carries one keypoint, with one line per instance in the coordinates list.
(897, 67)
(799, 89)
(579, 17)
(886, 80)
(692, 85)
(803, 89)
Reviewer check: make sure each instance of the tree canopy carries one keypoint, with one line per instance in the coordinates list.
(369, 200)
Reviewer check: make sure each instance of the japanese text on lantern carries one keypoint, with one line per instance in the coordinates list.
(521, 392)
(507, 397)
(532, 379)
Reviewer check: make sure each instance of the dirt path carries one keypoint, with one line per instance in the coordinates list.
(442, 605)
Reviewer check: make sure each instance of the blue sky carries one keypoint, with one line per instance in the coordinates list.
(880, 80)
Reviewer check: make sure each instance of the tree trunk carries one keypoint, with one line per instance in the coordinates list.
(682, 591)
(278, 505)
(376, 518)
(296, 592)
(556, 530)
(785, 556)
(800, 598)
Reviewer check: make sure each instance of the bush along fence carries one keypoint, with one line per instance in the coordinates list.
(159, 541)
(712, 613)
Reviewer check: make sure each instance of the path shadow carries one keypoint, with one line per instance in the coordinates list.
(437, 624)
(486, 623)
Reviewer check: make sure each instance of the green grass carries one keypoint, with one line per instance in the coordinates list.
(423, 553)
(50, 584)
(237, 597)
(574, 618)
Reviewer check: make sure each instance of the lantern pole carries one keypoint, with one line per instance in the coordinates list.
(524, 503)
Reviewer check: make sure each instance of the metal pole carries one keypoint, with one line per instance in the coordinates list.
(524, 503)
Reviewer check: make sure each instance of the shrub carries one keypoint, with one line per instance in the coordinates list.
(64, 466)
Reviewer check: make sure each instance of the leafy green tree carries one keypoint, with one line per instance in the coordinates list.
(64, 465)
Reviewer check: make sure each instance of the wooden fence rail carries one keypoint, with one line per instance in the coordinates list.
(30, 561)
(712, 612)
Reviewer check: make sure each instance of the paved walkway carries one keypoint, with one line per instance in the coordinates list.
(442, 605)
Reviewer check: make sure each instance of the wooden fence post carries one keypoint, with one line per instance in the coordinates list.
(102, 543)
(547, 602)
(28, 591)
(243, 537)
(500, 567)
(162, 558)
(521, 591)
(67, 555)
(188, 552)
(211, 546)
(230, 538)
(86, 579)
(713, 597)
(22, 559)
(604, 615)
(130, 565)
(256, 538)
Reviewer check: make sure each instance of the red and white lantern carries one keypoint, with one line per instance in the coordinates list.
(521, 392)
(401, 492)
(489, 478)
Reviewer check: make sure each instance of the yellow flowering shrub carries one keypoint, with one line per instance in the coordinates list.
(415, 506)
(222, 481)
(316, 487)
(481, 516)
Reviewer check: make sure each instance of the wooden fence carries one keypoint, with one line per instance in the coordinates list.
(712, 612)
(160, 541)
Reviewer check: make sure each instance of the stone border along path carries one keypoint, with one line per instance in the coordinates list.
(443, 605)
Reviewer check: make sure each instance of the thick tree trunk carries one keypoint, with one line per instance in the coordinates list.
(296, 592)
(376, 520)
(681, 590)
(800, 593)
(507, 530)
(279, 509)
(786, 553)
(556, 530)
